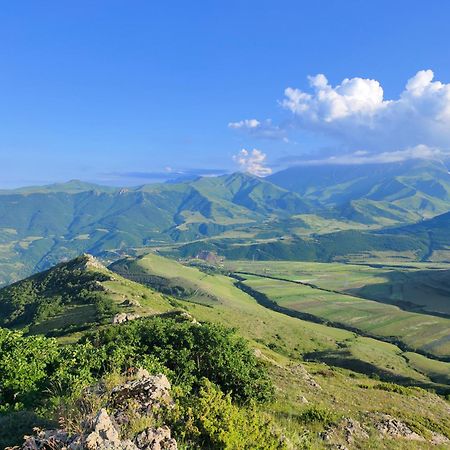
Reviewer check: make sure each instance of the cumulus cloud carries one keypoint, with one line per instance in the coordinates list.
(253, 162)
(356, 112)
(265, 129)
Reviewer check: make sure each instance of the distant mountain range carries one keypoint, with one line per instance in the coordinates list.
(319, 213)
(396, 192)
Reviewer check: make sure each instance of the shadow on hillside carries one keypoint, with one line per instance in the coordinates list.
(16, 424)
(346, 360)
(422, 291)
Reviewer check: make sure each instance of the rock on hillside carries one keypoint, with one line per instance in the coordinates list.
(102, 431)
(87, 261)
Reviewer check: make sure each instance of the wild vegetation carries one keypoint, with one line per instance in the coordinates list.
(311, 378)
(207, 361)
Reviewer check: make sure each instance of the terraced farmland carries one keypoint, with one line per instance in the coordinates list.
(424, 333)
(419, 287)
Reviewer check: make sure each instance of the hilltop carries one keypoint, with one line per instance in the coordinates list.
(72, 297)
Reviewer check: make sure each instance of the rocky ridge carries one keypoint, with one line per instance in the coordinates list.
(102, 431)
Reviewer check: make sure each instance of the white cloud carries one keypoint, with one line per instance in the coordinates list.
(264, 129)
(245, 124)
(356, 113)
(253, 162)
(364, 157)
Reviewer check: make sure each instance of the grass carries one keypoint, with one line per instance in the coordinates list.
(419, 286)
(426, 333)
(289, 336)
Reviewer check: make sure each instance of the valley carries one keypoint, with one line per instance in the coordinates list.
(343, 373)
(349, 317)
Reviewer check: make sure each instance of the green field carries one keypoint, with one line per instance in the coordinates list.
(289, 336)
(421, 287)
(426, 333)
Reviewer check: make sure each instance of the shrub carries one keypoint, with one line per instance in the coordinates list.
(317, 414)
(191, 352)
(24, 364)
(212, 421)
(391, 387)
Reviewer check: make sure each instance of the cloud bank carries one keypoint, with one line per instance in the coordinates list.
(253, 162)
(364, 157)
(356, 112)
(363, 123)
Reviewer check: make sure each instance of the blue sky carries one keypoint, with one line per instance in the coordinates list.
(122, 92)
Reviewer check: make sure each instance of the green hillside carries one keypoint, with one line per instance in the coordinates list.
(320, 376)
(73, 297)
(374, 193)
(43, 226)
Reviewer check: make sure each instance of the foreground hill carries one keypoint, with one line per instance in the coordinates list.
(73, 297)
(327, 386)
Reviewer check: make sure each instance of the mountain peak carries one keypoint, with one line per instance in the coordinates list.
(87, 262)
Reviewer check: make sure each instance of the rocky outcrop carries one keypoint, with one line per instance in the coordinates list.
(87, 261)
(147, 393)
(347, 430)
(104, 435)
(156, 439)
(302, 373)
(124, 317)
(390, 426)
(131, 303)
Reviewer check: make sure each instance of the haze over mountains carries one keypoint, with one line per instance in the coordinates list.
(318, 212)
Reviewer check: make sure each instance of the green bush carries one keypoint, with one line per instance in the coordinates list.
(24, 366)
(191, 352)
(319, 415)
(209, 365)
(391, 387)
(211, 421)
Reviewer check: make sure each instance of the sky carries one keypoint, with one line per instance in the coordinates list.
(128, 92)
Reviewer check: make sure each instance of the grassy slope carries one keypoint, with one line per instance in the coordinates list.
(70, 294)
(417, 286)
(284, 341)
(290, 336)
